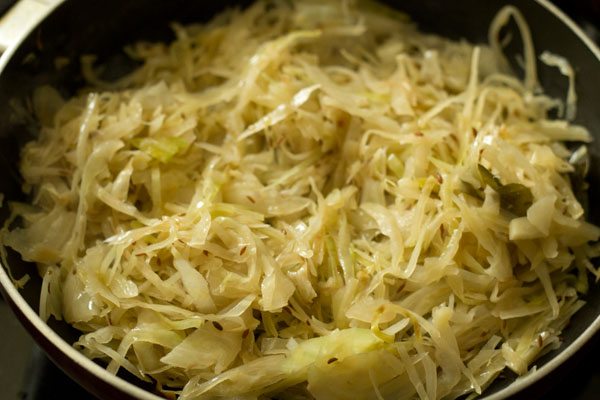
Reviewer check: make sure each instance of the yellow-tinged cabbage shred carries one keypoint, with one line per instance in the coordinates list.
(312, 199)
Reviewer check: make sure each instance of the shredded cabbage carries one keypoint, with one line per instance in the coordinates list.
(309, 200)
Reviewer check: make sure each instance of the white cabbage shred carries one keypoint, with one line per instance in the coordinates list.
(309, 199)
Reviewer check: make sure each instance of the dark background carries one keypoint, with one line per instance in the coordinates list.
(26, 373)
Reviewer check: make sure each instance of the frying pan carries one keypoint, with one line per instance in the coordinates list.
(104, 27)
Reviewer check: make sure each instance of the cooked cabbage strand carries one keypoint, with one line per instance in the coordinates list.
(313, 199)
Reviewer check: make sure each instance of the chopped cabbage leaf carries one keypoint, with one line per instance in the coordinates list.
(311, 199)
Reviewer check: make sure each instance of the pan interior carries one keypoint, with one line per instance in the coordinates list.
(104, 28)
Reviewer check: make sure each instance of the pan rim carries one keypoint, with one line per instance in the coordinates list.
(137, 392)
(67, 349)
(16, 300)
(18, 303)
